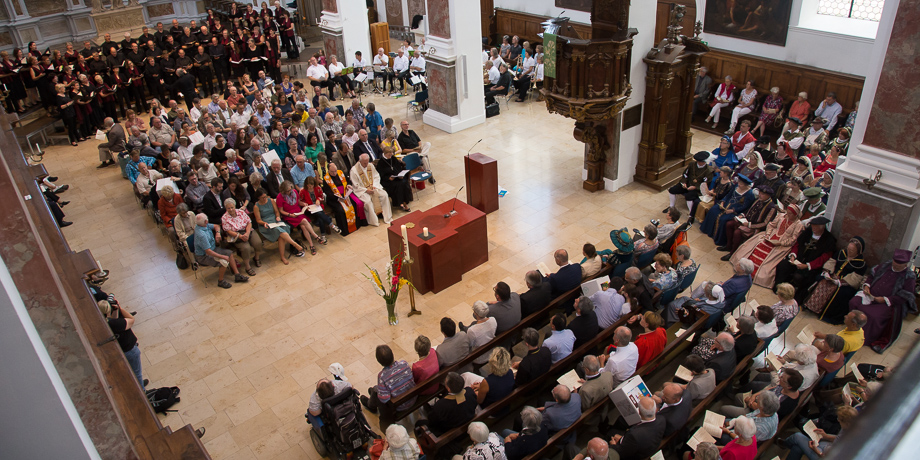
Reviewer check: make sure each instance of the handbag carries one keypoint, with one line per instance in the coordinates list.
(492, 110)
(181, 261)
(820, 295)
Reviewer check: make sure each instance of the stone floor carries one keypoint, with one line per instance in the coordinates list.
(247, 359)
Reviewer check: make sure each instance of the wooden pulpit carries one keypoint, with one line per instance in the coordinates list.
(481, 182)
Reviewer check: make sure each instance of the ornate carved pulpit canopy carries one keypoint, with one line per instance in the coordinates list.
(591, 85)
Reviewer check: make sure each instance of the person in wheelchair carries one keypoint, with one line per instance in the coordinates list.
(339, 426)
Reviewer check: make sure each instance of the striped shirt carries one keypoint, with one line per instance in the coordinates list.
(393, 381)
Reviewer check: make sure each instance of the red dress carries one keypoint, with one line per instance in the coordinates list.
(284, 204)
(650, 345)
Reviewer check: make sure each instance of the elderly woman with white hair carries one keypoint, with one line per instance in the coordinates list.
(486, 445)
(481, 331)
(741, 440)
(207, 171)
(207, 254)
(708, 297)
(772, 106)
(398, 445)
(238, 227)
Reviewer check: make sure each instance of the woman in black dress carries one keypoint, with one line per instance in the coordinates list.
(68, 113)
(9, 76)
(389, 168)
(254, 55)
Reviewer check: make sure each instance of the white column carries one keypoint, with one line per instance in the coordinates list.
(462, 52)
(351, 22)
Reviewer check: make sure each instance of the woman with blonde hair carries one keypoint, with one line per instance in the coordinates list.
(500, 381)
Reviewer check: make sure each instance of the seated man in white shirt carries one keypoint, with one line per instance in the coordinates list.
(417, 67)
(382, 69)
(491, 77)
(621, 363)
(360, 64)
(523, 82)
(401, 68)
(319, 76)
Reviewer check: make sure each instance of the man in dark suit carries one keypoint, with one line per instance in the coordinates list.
(185, 84)
(368, 146)
(453, 410)
(276, 175)
(584, 325)
(675, 408)
(538, 295)
(723, 363)
(212, 203)
(746, 338)
(568, 276)
(537, 361)
(641, 440)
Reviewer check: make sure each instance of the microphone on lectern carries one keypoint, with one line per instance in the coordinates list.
(471, 148)
(452, 211)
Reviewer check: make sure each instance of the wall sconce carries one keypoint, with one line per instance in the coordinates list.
(871, 182)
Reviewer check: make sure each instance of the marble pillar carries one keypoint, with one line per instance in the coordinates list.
(345, 28)
(453, 64)
(887, 212)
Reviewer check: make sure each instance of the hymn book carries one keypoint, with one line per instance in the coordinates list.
(774, 361)
(731, 321)
(713, 423)
(658, 456)
(571, 380)
(699, 437)
(543, 269)
(684, 374)
(810, 428)
(856, 372)
(680, 332)
(590, 287)
(807, 335)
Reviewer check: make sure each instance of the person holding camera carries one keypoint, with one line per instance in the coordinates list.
(121, 321)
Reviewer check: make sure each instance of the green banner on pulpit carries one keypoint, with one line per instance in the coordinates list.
(549, 56)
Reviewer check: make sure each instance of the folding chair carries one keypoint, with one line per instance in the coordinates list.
(414, 162)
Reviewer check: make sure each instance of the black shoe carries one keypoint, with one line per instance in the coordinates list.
(145, 382)
(102, 165)
(63, 203)
(690, 221)
(665, 210)
(53, 178)
(431, 180)
(364, 402)
(64, 223)
(200, 432)
(723, 248)
(877, 349)
(726, 257)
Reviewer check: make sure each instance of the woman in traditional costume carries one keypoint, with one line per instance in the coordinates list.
(769, 248)
(887, 295)
(734, 204)
(840, 281)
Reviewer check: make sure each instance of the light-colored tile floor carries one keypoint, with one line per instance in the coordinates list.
(247, 358)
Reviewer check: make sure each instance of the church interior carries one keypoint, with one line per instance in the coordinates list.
(615, 109)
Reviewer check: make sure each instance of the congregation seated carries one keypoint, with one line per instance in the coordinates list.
(506, 308)
(648, 243)
(672, 222)
(584, 325)
(622, 358)
(652, 340)
(427, 364)
(455, 409)
(803, 359)
(536, 362)
(741, 440)
(208, 254)
(486, 445)
(325, 389)
(561, 341)
(663, 277)
(800, 444)
(763, 415)
(562, 411)
(787, 391)
(644, 288)
(887, 297)
(597, 384)
(529, 439)
(399, 446)
(830, 353)
(852, 334)
(393, 380)
(499, 381)
(481, 331)
(592, 262)
(456, 344)
(538, 295)
(720, 357)
(708, 297)
(765, 326)
(685, 265)
(568, 276)
(703, 381)
(642, 439)
(609, 303)
(674, 406)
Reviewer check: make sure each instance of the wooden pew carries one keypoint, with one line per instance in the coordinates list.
(700, 408)
(675, 346)
(390, 412)
(431, 443)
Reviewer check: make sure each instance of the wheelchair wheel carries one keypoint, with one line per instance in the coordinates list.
(318, 443)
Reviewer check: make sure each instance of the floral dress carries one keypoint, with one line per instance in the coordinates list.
(771, 102)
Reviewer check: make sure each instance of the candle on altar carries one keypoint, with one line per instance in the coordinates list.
(425, 231)
(405, 235)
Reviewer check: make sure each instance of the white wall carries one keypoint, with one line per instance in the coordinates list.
(805, 45)
(642, 17)
(39, 419)
(548, 8)
(355, 29)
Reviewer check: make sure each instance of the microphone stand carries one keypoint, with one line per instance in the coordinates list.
(454, 205)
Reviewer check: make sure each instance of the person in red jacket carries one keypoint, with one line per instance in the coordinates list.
(651, 342)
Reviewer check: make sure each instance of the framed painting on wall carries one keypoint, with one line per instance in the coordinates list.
(764, 21)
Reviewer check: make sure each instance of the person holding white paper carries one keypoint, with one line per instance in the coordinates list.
(266, 216)
(801, 444)
(742, 439)
(366, 182)
(397, 187)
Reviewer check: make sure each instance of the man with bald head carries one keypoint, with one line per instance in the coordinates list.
(597, 448)
(596, 387)
(723, 362)
(642, 439)
(635, 277)
(563, 411)
(622, 361)
(568, 276)
(366, 182)
(674, 408)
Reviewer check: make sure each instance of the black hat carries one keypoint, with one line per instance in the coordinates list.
(764, 139)
(701, 155)
(795, 120)
(802, 160)
(771, 167)
(765, 189)
(820, 220)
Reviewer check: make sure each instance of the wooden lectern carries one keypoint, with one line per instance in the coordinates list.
(481, 182)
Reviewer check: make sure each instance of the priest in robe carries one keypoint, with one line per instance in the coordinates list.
(366, 182)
